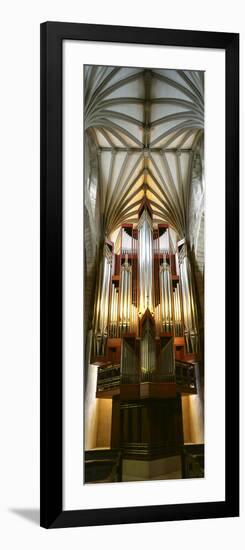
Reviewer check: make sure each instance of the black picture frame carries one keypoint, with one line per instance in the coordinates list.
(52, 35)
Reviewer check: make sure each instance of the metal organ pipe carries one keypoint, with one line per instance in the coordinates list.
(114, 311)
(167, 359)
(166, 296)
(145, 262)
(147, 353)
(177, 312)
(105, 307)
(189, 304)
(102, 310)
(129, 296)
(126, 296)
(126, 242)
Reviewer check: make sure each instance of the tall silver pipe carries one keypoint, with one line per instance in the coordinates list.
(177, 312)
(125, 295)
(145, 262)
(166, 296)
(102, 309)
(189, 303)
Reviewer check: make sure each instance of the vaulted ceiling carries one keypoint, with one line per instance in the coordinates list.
(146, 125)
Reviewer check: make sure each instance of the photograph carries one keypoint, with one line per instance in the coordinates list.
(143, 273)
(122, 238)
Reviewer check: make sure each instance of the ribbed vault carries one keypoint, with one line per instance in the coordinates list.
(145, 124)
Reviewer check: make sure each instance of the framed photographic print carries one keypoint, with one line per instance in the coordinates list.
(139, 274)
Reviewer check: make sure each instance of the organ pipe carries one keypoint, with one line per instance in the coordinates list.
(125, 296)
(167, 359)
(114, 311)
(147, 353)
(189, 303)
(145, 262)
(102, 310)
(166, 296)
(126, 242)
(129, 364)
(177, 312)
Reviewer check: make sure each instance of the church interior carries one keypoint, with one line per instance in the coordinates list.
(143, 275)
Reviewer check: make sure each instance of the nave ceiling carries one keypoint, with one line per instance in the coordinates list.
(146, 126)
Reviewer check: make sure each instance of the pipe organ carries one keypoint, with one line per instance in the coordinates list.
(146, 274)
(145, 337)
(144, 221)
